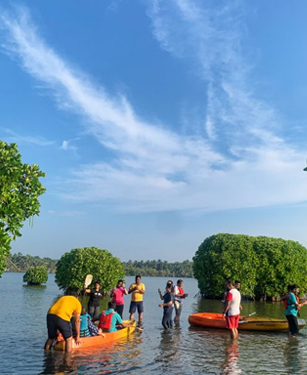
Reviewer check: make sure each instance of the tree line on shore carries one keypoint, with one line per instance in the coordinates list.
(21, 263)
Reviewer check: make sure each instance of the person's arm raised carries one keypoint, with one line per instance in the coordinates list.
(160, 293)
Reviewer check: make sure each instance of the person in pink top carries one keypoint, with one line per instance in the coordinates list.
(117, 295)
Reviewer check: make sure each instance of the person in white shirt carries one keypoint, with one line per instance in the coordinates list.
(179, 296)
(232, 306)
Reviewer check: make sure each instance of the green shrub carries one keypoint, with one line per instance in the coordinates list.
(264, 265)
(73, 267)
(20, 189)
(36, 275)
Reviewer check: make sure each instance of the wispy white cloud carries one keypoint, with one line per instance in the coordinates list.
(69, 145)
(241, 163)
(11, 136)
(211, 36)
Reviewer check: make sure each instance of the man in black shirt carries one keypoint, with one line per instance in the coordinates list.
(94, 302)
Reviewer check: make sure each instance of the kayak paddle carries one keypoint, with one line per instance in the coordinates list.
(247, 316)
(87, 282)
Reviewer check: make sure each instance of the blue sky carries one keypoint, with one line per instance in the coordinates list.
(158, 123)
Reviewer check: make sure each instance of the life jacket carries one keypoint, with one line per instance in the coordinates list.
(105, 321)
(181, 291)
(286, 301)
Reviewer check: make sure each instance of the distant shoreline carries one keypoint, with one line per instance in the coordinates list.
(149, 268)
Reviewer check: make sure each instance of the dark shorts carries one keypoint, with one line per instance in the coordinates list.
(136, 306)
(232, 321)
(55, 323)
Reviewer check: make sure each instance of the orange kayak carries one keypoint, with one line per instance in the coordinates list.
(215, 320)
(96, 341)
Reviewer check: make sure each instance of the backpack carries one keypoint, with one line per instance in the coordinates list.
(105, 321)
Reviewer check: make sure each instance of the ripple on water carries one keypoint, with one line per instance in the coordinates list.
(183, 350)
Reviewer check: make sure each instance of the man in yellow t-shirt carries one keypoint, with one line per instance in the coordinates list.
(137, 290)
(58, 318)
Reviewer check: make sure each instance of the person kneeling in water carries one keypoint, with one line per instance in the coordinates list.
(109, 320)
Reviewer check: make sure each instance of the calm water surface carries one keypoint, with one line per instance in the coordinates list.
(183, 350)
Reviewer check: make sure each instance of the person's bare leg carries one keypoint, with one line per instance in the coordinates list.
(131, 316)
(48, 344)
(232, 333)
(140, 317)
(68, 346)
(237, 333)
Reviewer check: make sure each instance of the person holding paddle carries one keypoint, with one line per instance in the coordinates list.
(94, 302)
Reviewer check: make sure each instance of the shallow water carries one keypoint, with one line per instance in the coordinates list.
(183, 350)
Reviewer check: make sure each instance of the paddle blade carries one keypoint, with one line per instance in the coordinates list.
(88, 280)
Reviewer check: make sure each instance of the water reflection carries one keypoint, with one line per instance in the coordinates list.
(231, 365)
(169, 351)
(58, 363)
(292, 355)
(184, 351)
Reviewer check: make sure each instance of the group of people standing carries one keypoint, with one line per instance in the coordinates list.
(172, 298)
(136, 289)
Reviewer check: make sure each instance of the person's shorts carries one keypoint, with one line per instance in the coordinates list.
(55, 323)
(136, 306)
(232, 321)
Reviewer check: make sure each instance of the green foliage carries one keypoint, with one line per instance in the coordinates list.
(36, 275)
(264, 265)
(19, 191)
(159, 268)
(73, 267)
